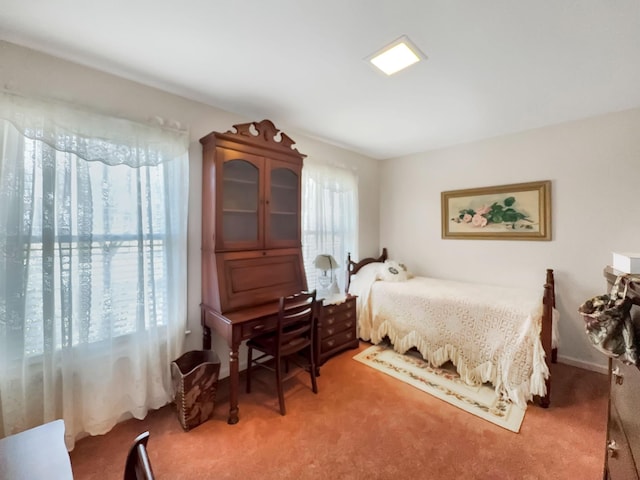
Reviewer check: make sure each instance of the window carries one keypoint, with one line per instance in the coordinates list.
(329, 217)
(107, 254)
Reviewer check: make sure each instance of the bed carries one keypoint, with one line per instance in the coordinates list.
(491, 334)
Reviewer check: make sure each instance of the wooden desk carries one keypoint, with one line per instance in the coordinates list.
(37, 453)
(235, 327)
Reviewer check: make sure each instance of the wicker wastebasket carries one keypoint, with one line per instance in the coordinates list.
(195, 380)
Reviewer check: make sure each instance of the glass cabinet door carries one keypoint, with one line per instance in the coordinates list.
(240, 204)
(283, 216)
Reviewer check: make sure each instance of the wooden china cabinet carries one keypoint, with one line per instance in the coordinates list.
(251, 247)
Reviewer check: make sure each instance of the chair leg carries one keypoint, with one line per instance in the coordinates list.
(279, 383)
(249, 362)
(312, 371)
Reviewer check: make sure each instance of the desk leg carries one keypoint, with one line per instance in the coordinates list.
(234, 383)
(206, 338)
(206, 331)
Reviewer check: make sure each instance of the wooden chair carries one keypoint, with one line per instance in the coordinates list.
(138, 466)
(293, 337)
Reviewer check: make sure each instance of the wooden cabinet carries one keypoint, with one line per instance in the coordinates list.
(251, 202)
(623, 432)
(254, 200)
(622, 456)
(336, 329)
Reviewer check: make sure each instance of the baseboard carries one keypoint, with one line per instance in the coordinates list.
(225, 371)
(594, 367)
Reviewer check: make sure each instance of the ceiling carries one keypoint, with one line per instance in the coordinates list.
(493, 67)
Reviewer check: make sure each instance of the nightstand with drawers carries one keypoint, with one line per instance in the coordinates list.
(336, 328)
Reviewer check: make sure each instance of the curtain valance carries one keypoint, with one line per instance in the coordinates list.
(92, 135)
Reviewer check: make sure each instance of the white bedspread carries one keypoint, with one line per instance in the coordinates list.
(491, 334)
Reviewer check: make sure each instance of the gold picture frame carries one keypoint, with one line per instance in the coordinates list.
(521, 211)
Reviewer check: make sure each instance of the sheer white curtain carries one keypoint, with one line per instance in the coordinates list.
(92, 266)
(329, 217)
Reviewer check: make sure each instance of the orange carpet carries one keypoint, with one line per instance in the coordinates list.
(364, 424)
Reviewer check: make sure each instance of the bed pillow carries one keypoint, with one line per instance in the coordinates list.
(393, 271)
(362, 280)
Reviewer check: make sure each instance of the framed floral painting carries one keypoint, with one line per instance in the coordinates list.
(520, 211)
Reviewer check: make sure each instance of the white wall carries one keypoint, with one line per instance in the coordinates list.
(594, 167)
(33, 73)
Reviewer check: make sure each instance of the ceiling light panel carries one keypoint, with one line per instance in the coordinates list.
(396, 56)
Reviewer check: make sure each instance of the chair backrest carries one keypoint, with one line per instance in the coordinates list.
(296, 318)
(138, 466)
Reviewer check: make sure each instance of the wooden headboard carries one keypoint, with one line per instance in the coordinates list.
(353, 267)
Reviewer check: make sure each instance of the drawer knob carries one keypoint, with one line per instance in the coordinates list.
(612, 448)
(617, 376)
(329, 331)
(330, 343)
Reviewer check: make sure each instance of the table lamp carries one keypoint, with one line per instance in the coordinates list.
(326, 263)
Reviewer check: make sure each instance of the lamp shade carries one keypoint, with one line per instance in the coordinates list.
(325, 262)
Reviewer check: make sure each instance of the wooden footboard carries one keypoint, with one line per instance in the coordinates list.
(548, 304)
(546, 333)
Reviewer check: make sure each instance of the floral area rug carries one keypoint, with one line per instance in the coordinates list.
(445, 384)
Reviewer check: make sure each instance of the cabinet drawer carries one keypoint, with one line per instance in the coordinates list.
(339, 317)
(337, 340)
(251, 329)
(336, 318)
(625, 392)
(333, 310)
(620, 464)
(334, 325)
